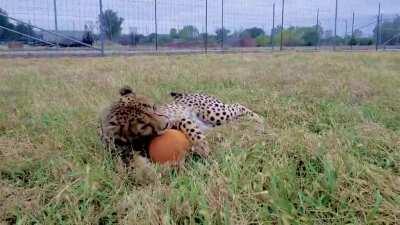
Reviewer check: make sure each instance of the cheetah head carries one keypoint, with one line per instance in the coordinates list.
(133, 117)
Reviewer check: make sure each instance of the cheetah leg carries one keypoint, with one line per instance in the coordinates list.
(195, 135)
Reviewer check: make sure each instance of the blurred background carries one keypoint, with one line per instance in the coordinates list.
(123, 26)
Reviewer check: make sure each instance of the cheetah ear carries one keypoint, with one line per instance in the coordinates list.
(176, 95)
(126, 90)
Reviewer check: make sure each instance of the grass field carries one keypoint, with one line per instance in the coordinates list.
(330, 153)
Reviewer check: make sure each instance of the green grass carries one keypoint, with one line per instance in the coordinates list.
(330, 153)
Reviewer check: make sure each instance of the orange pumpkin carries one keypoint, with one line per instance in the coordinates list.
(170, 147)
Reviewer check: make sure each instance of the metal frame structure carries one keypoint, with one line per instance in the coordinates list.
(154, 8)
(44, 30)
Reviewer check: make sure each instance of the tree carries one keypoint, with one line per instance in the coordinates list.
(311, 36)
(221, 32)
(25, 29)
(173, 33)
(262, 41)
(3, 19)
(6, 35)
(150, 38)
(353, 41)
(253, 32)
(88, 38)
(276, 30)
(111, 23)
(188, 33)
(366, 41)
(293, 36)
(356, 38)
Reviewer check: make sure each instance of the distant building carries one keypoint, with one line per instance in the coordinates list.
(77, 35)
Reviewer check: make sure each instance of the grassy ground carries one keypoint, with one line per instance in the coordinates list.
(330, 155)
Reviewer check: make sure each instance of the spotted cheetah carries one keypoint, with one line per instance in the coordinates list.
(195, 114)
(134, 118)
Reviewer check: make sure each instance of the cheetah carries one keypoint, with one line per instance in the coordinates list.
(195, 114)
(134, 118)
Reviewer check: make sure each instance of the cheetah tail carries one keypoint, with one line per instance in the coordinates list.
(254, 116)
(259, 119)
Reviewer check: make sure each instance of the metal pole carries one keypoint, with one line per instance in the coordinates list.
(206, 38)
(155, 23)
(335, 34)
(283, 12)
(222, 25)
(273, 27)
(317, 30)
(55, 19)
(352, 34)
(134, 37)
(345, 34)
(378, 27)
(101, 27)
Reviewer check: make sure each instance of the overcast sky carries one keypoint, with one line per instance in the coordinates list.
(239, 14)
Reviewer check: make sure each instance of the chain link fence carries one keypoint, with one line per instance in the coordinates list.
(140, 26)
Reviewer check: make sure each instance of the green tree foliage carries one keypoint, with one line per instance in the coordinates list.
(173, 33)
(366, 41)
(188, 33)
(300, 36)
(291, 37)
(262, 40)
(25, 29)
(6, 35)
(253, 32)
(88, 38)
(222, 33)
(358, 39)
(311, 35)
(353, 41)
(111, 23)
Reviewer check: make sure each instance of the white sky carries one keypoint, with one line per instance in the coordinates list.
(239, 14)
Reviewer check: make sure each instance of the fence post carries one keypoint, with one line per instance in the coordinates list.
(155, 24)
(352, 33)
(378, 27)
(283, 12)
(55, 19)
(222, 25)
(206, 38)
(335, 34)
(101, 27)
(317, 30)
(273, 27)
